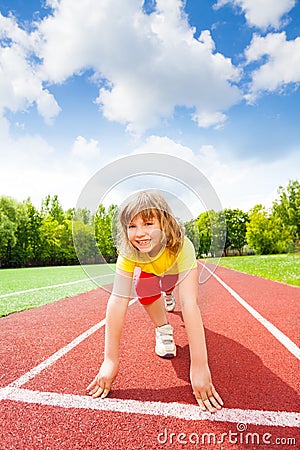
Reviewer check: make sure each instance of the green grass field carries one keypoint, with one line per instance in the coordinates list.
(284, 268)
(39, 281)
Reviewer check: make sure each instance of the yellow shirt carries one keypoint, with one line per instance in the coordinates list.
(165, 262)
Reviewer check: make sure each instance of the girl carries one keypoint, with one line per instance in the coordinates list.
(150, 239)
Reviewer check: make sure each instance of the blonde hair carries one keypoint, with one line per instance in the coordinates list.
(149, 204)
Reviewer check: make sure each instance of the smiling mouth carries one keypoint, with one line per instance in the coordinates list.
(143, 242)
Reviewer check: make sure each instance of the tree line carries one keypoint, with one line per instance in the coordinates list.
(52, 236)
(261, 230)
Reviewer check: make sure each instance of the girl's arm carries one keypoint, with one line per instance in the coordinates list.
(115, 315)
(203, 389)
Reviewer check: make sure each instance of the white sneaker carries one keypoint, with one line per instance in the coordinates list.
(170, 301)
(165, 346)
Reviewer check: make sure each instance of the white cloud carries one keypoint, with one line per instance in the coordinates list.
(151, 63)
(262, 13)
(86, 150)
(166, 145)
(20, 84)
(207, 119)
(282, 64)
(238, 184)
(24, 163)
(43, 170)
(30, 167)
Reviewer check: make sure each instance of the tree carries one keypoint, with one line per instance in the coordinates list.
(287, 208)
(203, 228)
(266, 232)
(57, 246)
(236, 221)
(207, 232)
(85, 243)
(7, 238)
(219, 232)
(82, 214)
(50, 232)
(192, 232)
(103, 225)
(33, 233)
(8, 228)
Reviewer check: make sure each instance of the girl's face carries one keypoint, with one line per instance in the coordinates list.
(145, 236)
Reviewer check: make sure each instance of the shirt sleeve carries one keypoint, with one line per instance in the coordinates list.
(186, 259)
(125, 264)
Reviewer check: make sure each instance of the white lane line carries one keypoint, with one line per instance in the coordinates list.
(174, 409)
(279, 335)
(12, 294)
(57, 355)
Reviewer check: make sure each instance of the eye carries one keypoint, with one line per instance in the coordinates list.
(131, 226)
(149, 223)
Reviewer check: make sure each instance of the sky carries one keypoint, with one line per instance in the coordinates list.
(214, 83)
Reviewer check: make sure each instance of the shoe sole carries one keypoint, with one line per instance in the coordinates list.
(166, 355)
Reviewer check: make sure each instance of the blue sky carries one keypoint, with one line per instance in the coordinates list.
(213, 82)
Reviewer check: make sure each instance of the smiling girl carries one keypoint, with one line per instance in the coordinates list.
(155, 253)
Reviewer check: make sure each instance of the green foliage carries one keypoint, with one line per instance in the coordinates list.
(236, 221)
(8, 227)
(52, 236)
(85, 243)
(103, 223)
(266, 233)
(199, 232)
(208, 233)
(287, 208)
(31, 237)
(276, 231)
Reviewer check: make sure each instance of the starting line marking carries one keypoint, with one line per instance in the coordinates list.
(61, 352)
(279, 335)
(174, 409)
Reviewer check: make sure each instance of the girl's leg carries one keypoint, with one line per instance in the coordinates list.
(148, 290)
(157, 312)
(168, 283)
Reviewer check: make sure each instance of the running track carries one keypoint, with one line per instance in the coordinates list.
(50, 354)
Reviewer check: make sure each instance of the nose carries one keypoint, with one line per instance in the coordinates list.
(140, 231)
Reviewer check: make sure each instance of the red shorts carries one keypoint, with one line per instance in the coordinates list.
(149, 287)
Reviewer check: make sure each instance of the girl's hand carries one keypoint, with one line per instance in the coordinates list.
(102, 383)
(204, 391)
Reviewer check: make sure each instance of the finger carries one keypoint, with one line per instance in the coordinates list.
(217, 396)
(93, 391)
(94, 388)
(92, 385)
(105, 392)
(98, 392)
(201, 404)
(215, 402)
(208, 405)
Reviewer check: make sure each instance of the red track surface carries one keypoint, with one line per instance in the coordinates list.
(250, 368)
